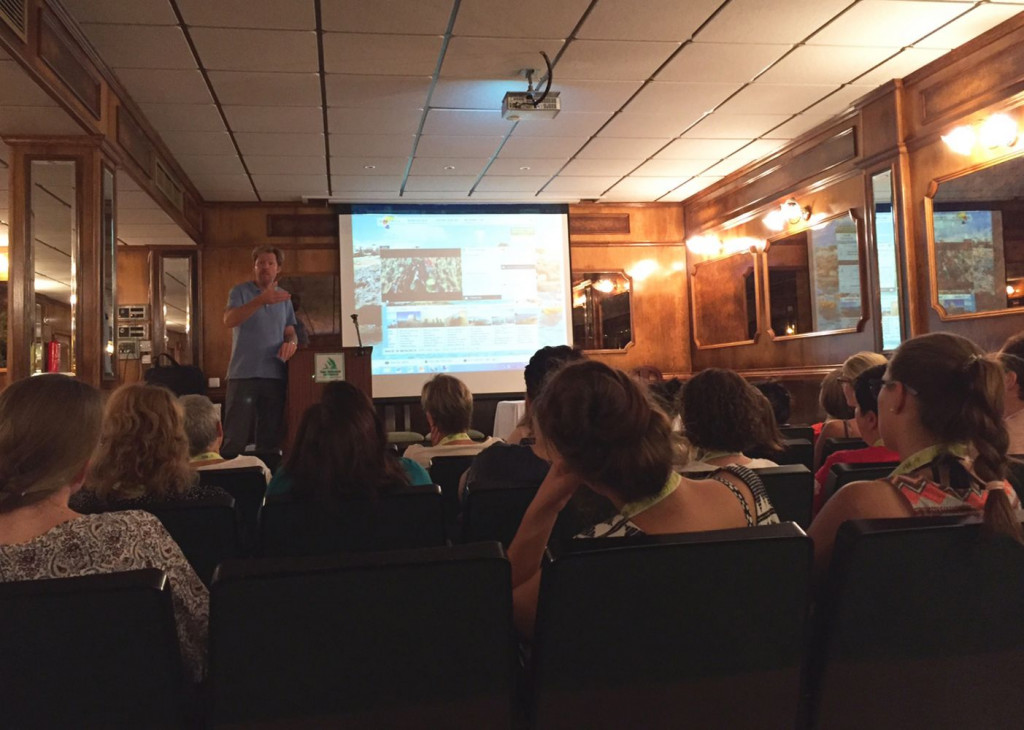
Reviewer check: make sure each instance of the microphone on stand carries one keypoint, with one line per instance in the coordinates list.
(355, 321)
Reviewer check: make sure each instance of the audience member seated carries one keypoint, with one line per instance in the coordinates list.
(832, 400)
(723, 416)
(1012, 357)
(521, 461)
(622, 451)
(143, 455)
(448, 405)
(341, 450)
(846, 428)
(49, 428)
(779, 397)
(865, 387)
(205, 434)
(939, 401)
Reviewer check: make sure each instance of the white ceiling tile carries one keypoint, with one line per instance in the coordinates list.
(434, 196)
(17, 89)
(471, 123)
(544, 147)
(361, 145)
(521, 19)
(281, 165)
(595, 96)
(566, 124)
(414, 17)
(497, 58)
(701, 149)
(275, 14)
(756, 150)
(689, 100)
(238, 88)
(377, 54)
(524, 166)
(448, 146)
(440, 183)
(755, 21)
(725, 167)
(683, 169)
(904, 22)
(31, 120)
(775, 99)
(138, 12)
(600, 167)
(969, 26)
(291, 182)
(900, 65)
(470, 93)
(366, 183)
(460, 166)
(156, 86)
(222, 182)
(690, 188)
(183, 117)
(664, 126)
(736, 126)
(146, 46)
(262, 143)
(369, 166)
(645, 188)
(308, 119)
(585, 187)
(213, 195)
(377, 92)
(210, 164)
(652, 20)
(621, 148)
(505, 197)
(841, 100)
(634, 60)
(825, 64)
(373, 121)
(231, 49)
(796, 126)
(721, 62)
(510, 184)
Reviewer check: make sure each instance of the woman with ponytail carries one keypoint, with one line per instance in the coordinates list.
(601, 432)
(940, 408)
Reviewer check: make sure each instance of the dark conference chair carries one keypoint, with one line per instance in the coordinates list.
(790, 489)
(798, 432)
(493, 511)
(248, 486)
(207, 531)
(795, 451)
(408, 518)
(694, 630)
(922, 628)
(842, 474)
(833, 445)
(414, 639)
(446, 472)
(94, 651)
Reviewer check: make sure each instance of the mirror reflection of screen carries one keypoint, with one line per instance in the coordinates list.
(969, 271)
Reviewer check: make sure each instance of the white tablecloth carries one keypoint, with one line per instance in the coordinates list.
(507, 416)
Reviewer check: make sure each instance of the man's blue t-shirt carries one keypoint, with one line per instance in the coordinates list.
(255, 342)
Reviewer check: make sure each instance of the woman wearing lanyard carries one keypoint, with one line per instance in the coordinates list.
(602, 433)
(939, 401)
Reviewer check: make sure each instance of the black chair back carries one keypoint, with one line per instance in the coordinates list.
(207, 531)
(790, 489)
(1015, 474)
(398, 640)
(446, 472)
(493, 511)
(833, 445)
(922, 627)
(795, 451)
(695, 630)
(248, 486)
(842, 474)
(408, 518)
(798, 432)
(93, 651)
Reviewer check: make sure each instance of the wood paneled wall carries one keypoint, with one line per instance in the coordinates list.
(133, 287)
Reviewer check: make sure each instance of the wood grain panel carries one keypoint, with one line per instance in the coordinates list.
(58, 51)
(608, 225)
(289, 225)
(648, 222)
(135, 142)
(228, 224)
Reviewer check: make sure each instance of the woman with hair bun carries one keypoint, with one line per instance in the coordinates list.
(602, 433)
(842, 427)
(939, 401)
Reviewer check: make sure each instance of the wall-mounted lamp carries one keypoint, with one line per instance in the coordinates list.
(789, 213)
(707, 245)
(710, 245)
(605, 286)
(998, 130)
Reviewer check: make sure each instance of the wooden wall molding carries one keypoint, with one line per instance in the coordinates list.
(614, 224)
(63, 56)
(292, 226)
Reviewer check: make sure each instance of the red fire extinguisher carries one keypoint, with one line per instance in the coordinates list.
(53, 357)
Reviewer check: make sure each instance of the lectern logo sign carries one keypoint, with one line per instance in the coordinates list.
(328, 367)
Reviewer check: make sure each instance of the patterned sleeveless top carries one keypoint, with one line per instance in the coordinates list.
(927, 497)
(764, 512)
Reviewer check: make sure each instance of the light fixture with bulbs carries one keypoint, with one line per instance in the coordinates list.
(992, 133)
(789, 213)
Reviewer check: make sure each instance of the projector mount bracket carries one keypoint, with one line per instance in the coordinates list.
(530, 91)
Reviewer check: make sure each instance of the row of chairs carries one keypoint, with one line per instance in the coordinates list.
(918, 627)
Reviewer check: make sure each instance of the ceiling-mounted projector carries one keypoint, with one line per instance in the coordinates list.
(518, 106)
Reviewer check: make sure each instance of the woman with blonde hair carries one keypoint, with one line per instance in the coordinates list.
(853, 366)
(48, 433)
(940, 408)
(143, 454)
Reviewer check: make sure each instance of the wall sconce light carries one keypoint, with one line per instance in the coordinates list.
(999, 130)
(775, 220)
(744, 244)
(960, 139)
(5, 265)
(605, 286)
(704, 245)
(789, 213)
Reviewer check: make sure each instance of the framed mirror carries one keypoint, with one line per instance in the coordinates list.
(725, 293)
(975, 225)
(815, 279)
(175, 317)
(889, 271)
(602, 313)
(108, 281)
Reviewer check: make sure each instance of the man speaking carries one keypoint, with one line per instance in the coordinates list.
(263, 338)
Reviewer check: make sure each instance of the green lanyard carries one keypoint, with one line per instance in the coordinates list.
(718, 455)
(208, 456)
(630, 509)
(454, 437)
(924, 457)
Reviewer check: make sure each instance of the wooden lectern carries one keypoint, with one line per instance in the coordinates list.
(311, 368)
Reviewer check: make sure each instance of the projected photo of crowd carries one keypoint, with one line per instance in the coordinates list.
(412, 275)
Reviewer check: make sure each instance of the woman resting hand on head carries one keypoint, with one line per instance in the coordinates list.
(621, 448)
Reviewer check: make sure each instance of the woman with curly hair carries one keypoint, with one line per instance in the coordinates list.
(143, 454)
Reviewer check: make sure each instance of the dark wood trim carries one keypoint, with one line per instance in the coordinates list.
(58, 50)
(611, 224)
(286, 225)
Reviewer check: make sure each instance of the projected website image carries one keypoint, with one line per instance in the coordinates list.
(411, 275)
